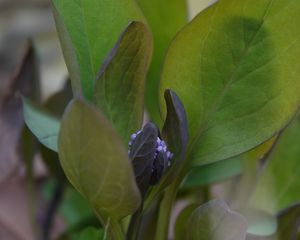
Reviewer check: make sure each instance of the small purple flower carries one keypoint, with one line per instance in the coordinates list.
(160, 147)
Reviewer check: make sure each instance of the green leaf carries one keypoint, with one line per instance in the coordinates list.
(175, 129)
(181, 221)
(278, 185)
(288, 223)
(74, 207)
(88, 30)
(214, 220)
(252, 164)
(235, 67)
(42, 124)
(213, 172)
(164, 19)
(260, 223)
(175, 133)
(119, 89)
(90, 233)
(96, 163)
(57, 103)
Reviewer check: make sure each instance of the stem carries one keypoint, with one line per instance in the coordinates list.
(165, 213)
(114, 230)
(167, 204)
(52, 208)
(134, 224)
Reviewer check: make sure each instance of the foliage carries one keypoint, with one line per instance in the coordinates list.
(228, 95)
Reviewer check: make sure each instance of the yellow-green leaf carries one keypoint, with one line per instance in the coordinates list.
(96, 163)
(88, 30)
(120, 87)
(236, 69)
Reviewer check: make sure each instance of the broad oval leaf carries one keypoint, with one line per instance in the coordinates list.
(236, 69)
(164, 19)
(42, 124)
(88, 30)
(119, 89)
(215, 221)
(278, 185)
(95, 161)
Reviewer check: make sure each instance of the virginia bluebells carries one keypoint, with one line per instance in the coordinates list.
(160, 147)
(161, 158)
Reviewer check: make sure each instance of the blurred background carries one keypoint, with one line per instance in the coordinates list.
(21, 20)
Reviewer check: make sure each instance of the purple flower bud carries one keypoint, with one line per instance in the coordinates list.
(159, 148)
(133, 136)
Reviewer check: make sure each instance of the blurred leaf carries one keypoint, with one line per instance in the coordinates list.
(96, 163)
(142, 156)
(90, 233)
(252, 163)
(214, 220)
(260, 223)
(57, 103)
(75, 208)
(165, 19)
(289, 223)
(181, 221)
(42, 124)
(278, 185)
(88, 30)
(213, 172)
(119, 89)
(235, 67)
(25, 82)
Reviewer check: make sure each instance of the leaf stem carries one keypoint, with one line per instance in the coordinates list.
(165, 213)
(166, 206)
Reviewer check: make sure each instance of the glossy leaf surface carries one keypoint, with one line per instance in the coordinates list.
(96, 163)
(88, 30)
(236, 69)
(165, 19)
(119, 89)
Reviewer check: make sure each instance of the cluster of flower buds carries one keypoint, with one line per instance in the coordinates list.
(160, 147)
